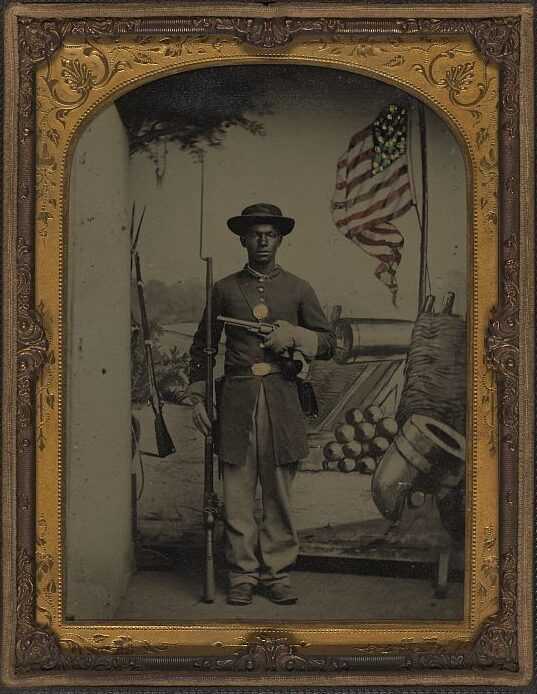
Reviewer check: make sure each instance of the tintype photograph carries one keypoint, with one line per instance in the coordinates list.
(268, 344)
(290, 251)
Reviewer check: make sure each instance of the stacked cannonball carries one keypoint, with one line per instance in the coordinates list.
(360, 442)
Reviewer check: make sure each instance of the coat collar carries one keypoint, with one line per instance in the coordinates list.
(261, 276)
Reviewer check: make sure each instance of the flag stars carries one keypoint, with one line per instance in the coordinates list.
(389, 137)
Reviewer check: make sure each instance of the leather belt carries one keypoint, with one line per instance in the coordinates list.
(258, 370)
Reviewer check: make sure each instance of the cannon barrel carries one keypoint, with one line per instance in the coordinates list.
(370, 337)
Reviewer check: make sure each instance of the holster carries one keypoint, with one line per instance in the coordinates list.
(307, 398)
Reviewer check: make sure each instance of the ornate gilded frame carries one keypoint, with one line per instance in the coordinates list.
(471, 71)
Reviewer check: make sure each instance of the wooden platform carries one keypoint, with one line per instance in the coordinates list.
(418, 538)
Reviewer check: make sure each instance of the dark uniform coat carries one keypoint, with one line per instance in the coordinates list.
(288, 298)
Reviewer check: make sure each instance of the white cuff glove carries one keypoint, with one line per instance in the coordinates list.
(288, 336)
(307, 342)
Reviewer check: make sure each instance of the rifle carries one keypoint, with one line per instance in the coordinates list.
(164, 441)
(210, 499)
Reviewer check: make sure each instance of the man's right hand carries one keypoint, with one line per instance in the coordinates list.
(201, 418)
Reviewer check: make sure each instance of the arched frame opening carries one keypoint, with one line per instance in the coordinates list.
(82, 79)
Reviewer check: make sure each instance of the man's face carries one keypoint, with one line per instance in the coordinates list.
(261, 241)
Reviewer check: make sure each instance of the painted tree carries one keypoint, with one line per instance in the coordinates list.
(192, 110)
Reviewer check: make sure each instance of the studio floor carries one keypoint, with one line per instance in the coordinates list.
(327, 591)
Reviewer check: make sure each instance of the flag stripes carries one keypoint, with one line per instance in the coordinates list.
(350, 163)
(373, 188)
(351, 202)
(379, 221)
(360, 135)
(391, 198)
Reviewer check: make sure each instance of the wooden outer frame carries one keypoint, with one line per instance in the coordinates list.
(497, 648)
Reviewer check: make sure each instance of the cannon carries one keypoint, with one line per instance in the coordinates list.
(371, 337)
(426, 456)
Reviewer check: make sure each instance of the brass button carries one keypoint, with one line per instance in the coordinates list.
(261, 289)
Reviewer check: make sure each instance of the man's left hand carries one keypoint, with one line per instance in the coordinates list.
(281, 338)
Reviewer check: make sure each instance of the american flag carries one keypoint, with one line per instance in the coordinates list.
(373, 188)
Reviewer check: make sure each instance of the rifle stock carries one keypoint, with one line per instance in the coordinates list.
(165, 445)
(164, 441)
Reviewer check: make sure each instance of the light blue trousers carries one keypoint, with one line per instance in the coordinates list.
(263, 552)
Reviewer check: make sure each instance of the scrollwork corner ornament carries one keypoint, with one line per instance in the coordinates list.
(35, 647)
(497, 643)
(39, 39)
(495, 647)
(498, 40)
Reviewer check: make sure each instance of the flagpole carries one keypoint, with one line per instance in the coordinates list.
(424, 208)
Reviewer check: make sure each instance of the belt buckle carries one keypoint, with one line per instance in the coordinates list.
(261, 368)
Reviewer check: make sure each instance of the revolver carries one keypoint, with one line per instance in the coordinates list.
(260, 329)
(290, 366)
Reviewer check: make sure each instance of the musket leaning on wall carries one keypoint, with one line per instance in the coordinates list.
(165, 445)
(164, 441)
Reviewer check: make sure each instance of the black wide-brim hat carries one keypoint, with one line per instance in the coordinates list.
(261, 213)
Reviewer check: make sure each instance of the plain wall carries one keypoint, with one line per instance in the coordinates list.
(98, 552)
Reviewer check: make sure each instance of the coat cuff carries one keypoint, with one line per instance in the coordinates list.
(307, 342)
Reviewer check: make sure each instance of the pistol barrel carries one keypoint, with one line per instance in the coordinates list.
(252, 326)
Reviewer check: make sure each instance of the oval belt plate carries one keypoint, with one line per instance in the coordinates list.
(261, 369)
(260, 311)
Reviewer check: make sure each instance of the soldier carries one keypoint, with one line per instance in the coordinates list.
(261, 428)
